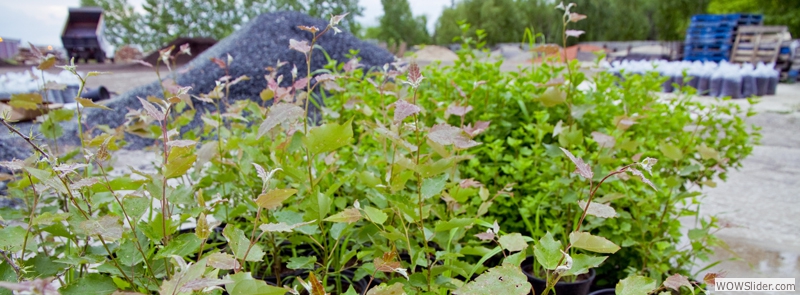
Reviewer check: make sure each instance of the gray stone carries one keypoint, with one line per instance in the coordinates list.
(257, 45)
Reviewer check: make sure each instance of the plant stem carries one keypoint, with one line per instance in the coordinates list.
(30, 218)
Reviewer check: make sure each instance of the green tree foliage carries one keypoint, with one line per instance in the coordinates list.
(608, 20)
(120, 19)
(502, 20)
(398, 24)
(164, 20)
(322, 9)
(776, 12)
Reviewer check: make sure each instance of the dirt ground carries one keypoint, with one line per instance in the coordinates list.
(760, 200)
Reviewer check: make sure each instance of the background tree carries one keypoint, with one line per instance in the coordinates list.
(165, 20)
(776, 12)
(321, 9)
(120, 19)
(502, 20)
(398, 24)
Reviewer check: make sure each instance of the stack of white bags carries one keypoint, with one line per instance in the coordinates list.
(709, 78)
(30, 81)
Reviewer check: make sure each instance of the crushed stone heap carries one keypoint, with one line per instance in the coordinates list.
(257, 45)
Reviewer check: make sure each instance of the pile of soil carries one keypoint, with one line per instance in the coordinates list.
(257, 45)
(434, 53)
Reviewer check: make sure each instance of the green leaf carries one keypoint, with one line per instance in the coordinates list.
(552, 97)
(7, 274)
(505, 279)
(244, 284)
(128, 255)
(43, 266)
(548, 251)
(348, 215)
(13, 238)
(581, 263)
(513, 242)
(239, 244)
(636, 285)
(108, 227)
(88, 103)
(587, 241)
(28, 101)
(91, 284)
(383, 289)
(183, 245)
(515, 259)
(433, 186)
(375, 214)
(328, 137)
(453, 223)
(303, 262)
(274, 198)
(671, 151)
(179, 161)
(707, 152)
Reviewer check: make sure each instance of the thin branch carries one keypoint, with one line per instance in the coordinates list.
(26, 138)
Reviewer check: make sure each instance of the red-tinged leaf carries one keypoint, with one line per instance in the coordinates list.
(186, 49)
(598, 209)
(647, 164)
(414, 75)
(479, 128)
(301, 46)
(271, 83)
(573, 33)
(68, 168)
(488, 235)
(710, 278)
(325, 77)
(457, 110)
(316, 286)
(623, 122)
(35, 51)
(274, 198)
(403, 109)
(604, 140)
(84, 183)
(675, 282)
(13, 165)
(460, 92)
(641, 175)
(445, 134)
(469, 182)
(575, 17)
(278, 114)
(582, 168)
(386, 265)
(335, 19)
(351, 65)
(348, 215)
(223, 261)
(144, 63)
(47, 62)
(311, 29)
(202, 283)
(151, 110)
(220, 63)
(300, 83)
(181, 143)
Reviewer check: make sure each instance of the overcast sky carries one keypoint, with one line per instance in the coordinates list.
(41, 21)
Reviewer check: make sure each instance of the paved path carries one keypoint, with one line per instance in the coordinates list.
(762, 199)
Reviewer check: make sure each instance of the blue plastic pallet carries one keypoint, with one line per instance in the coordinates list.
(705, 58)
(727, 17)
(715, 24)
(707, 47)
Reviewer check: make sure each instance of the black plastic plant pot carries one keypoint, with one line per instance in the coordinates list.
(579, 287)
(608, 291)
(99, 93)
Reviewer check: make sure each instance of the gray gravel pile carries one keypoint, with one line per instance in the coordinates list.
(257, 45)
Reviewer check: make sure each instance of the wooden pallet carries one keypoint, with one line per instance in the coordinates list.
(758, 44)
